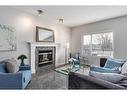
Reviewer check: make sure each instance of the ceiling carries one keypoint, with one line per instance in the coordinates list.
(76, 15)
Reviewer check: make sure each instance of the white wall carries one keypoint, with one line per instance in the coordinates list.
(117, 25)
(25, 25)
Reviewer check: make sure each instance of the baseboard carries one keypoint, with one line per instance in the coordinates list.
(60, 65)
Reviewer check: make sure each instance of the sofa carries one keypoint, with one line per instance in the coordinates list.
(18, 80)
(83, 81)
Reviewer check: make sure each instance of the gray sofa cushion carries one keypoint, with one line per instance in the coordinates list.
(12, 66)
(111, 77)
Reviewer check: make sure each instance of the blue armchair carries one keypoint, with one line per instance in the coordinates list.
(17, 80)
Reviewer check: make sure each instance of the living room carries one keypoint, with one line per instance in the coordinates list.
(72, 30)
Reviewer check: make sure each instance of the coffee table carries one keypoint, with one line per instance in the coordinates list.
(66, 69)
(64, 72)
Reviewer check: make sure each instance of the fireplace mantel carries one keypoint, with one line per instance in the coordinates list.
(42, 44)
(33, 46)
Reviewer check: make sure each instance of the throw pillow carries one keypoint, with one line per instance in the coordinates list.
(113, 63)
(104, 70)
(12, 66)
(124, 68)
(111, 77)
(2, 68)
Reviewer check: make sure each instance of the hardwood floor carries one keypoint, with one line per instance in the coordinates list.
(51, 80)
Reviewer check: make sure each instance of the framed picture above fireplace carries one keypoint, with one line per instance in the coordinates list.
(44, 34)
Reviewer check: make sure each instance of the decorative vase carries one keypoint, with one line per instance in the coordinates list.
(22, 63)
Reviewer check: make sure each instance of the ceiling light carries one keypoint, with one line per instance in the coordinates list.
(40, 12)
(61, 20)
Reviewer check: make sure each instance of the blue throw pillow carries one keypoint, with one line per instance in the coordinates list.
(113, 63)
(104, 70)
(2, 68)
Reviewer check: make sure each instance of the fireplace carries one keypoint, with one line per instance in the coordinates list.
(34, 47)
(45, 58)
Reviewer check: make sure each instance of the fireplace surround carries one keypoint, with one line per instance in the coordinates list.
(33, 48)
(45, 58)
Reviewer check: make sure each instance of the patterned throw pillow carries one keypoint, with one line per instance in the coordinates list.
(113, 63)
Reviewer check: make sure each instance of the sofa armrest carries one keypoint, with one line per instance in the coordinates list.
(11, 80)
(24, 68)
(81, 81)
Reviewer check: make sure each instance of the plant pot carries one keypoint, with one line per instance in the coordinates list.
(22, 63)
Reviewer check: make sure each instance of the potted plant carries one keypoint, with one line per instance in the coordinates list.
(22, 57)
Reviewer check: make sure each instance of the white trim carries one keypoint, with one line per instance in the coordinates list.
(33, 46)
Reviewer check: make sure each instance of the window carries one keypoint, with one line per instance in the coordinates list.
(98, 44)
